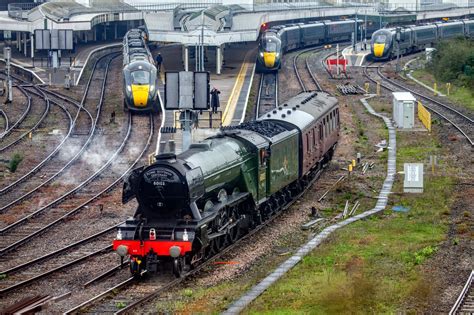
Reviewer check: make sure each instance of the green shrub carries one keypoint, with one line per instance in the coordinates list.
(453, 61)
(423, 254)
(14, 162)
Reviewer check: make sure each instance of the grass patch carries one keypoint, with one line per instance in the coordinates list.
(458, 94)
(372, 266)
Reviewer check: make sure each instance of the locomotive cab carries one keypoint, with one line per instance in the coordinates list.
(381, 44)
(269, 50)
(140, 85)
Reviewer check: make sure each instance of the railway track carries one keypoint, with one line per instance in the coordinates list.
(12, 126)
(267, 97)
(465, 302)
(461, 122)
(307, 75)
(5, 118)
(23, 134)
(96, 246)
(29, 225)
(73, 147)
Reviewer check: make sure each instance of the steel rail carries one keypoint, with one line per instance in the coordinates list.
(35, 126)
(49, 157)
(59, 251)
(261, 108)
(75, 157)
(148, 144)
(60, 199)
(297, 72)
(22, 117)
(2, 113)
(460, 300)
(78, 208)
(42, 275)
(87, 239)
(311, 73)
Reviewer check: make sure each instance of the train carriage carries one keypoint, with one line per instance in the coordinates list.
(140, 79)
(312, 34)
(339, 30)
(450, 30)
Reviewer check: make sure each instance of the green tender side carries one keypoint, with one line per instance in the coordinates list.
(283, 165)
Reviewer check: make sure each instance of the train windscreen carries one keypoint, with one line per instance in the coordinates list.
(140, 77)
(380, 39)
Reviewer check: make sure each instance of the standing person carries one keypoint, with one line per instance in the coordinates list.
(215, 99)
(159, 61)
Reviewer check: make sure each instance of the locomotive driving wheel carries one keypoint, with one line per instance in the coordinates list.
(178, 266)
(234, 232)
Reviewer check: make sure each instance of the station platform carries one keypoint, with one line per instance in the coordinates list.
(357, 58)
(234, 83)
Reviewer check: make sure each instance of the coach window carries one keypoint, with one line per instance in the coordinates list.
(307, 142)
(314, 137)
(326, 127)
(337, 115)
(331, 127)
(320, 132)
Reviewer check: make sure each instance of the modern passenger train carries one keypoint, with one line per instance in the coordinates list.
(139, 74)
(416, 38)
(274, 42)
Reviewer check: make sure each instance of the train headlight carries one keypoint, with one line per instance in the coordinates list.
(129, 88)
(122, 250)
(175, 251)
(152, 88)
(277, 55)
(261, 54)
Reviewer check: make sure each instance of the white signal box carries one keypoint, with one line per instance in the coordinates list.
(404, 109)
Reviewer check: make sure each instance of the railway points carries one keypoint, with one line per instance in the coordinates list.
(69, 257)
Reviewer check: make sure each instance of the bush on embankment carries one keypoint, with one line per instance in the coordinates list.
(453, 61)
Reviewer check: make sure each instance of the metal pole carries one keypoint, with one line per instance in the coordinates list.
(7, 56)
(398, 49)
(202, 41)
(186, 130)
(365, 25)
(355, 32)
(196, 57)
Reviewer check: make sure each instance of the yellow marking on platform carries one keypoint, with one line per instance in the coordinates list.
(232, 102)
